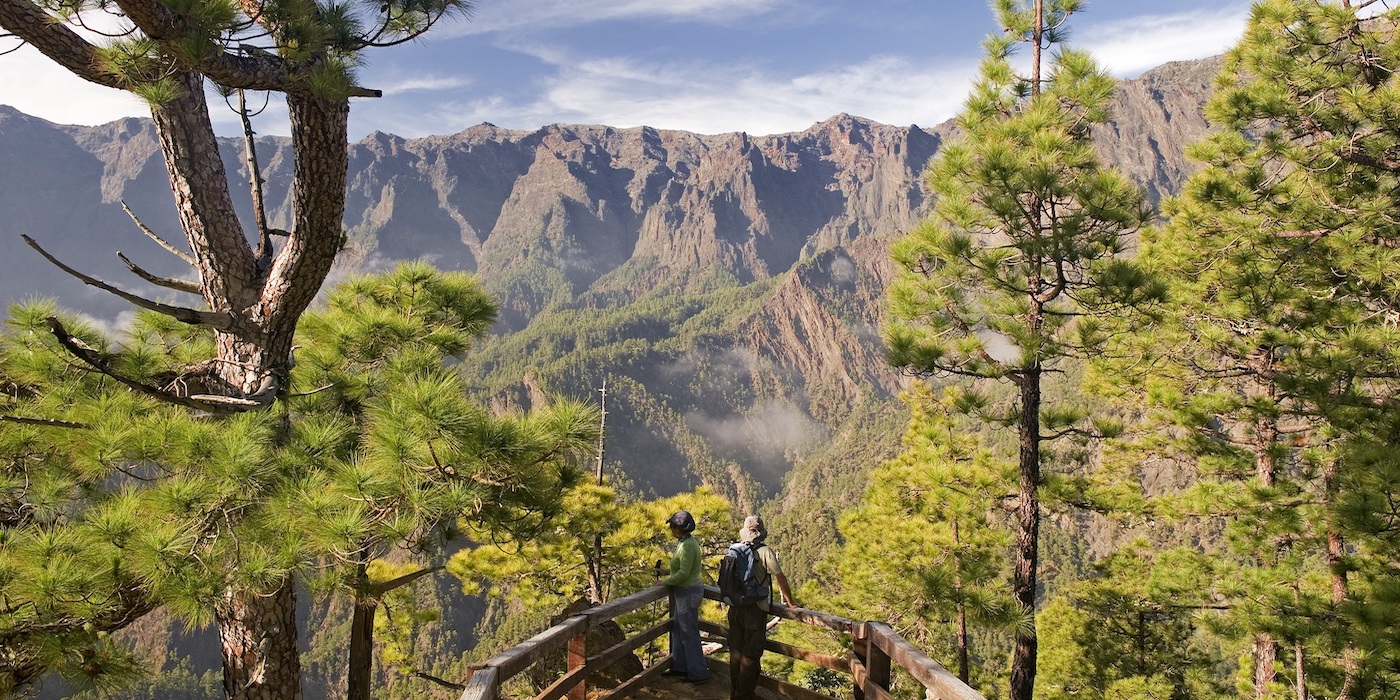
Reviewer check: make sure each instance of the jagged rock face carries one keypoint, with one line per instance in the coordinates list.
(584, 201)
(1155, 118)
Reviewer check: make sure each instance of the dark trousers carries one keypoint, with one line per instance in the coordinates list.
(748, 630)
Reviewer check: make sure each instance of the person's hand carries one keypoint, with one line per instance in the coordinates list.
(790, 602)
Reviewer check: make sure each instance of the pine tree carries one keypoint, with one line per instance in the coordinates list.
(382, 453)
(253, 297)
(416, 459)
(1130, 632)
(925, 547)
(1285, 248)
(1005, 280)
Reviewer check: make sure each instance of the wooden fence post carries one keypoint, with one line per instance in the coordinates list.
(877, 662)
(578, 658)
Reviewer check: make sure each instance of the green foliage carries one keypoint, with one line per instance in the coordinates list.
(1020, 264)
(1132, 631)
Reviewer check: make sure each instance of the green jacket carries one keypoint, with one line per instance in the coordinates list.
(685, 564)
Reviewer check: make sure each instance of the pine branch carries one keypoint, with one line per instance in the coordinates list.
(167, 282)
(152, 235)
(243, 70)
(379, 589)
(49, 422)
(439, 681)
(179, 313)
(83, 352)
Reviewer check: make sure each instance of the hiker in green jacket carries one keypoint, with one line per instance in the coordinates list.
(687, 657)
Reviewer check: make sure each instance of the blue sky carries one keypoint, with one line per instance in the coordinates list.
(709, 66)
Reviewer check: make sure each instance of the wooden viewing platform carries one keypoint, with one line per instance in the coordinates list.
(875, 650)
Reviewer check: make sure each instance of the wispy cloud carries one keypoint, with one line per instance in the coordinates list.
(710, 97)
(578, 81)
(425, 83)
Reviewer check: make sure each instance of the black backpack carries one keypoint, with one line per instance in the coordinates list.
(738, 576)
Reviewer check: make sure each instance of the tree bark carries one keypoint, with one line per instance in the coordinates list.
(1266, 469)
(359, 677)
(1023, 660)
(258, 636)
(1265, 655)
(1336, 565)
(963, 670)
(360, 674)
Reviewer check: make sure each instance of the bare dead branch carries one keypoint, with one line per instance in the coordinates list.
(167, 282)
(314, 392)
(255, 183)
(152, 235)
(262, 398)
(179, 313)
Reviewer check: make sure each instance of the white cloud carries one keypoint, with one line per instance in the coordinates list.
(1130, 46)
(578, 84)
(33, 84)
(708, 98)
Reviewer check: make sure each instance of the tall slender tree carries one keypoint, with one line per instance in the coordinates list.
(1003, 282)
(417, 461)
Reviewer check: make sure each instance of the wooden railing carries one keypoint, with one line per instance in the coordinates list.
(876, 649)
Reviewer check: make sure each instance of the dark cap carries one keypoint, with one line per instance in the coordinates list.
(682, 521)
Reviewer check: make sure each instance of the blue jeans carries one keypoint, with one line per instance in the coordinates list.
(686, 655)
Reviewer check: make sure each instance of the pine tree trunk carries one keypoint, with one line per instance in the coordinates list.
(253, 353)
(1023, 659)
(258, 638)
(1037, 36)
(962, 605)
(360, 675)
(1265, 654)
(1266, 434)
(1336, 564)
